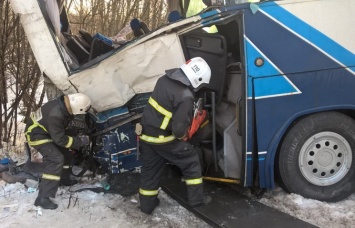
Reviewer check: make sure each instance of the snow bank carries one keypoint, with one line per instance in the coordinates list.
(321, 214)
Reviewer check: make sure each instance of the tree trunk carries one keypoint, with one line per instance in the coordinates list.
(174, 5)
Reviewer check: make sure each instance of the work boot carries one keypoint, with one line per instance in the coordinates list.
(149, 212)
(206, 201)
(67, 182)
(65, 178)
(45, 203)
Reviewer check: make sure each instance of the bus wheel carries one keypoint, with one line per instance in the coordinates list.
(317, 157)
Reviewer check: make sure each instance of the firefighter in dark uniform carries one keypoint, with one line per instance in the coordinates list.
(165, 122)
(45, 131)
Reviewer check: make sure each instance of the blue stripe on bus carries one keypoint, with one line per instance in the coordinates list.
(265, 86)
(209, 13)
(287, 51)
(314, 36)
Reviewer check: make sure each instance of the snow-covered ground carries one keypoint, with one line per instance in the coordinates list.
(326, 215)
(90, 209)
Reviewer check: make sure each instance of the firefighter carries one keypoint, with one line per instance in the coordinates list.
(45, 131)
(165, 126)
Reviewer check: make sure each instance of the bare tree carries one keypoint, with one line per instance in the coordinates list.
(19, 74)
(174, 5)
(178, 5)
(109, 17)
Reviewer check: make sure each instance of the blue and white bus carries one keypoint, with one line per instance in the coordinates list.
(281, 99)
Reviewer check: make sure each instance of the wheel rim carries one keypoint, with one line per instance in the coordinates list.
(325, 158)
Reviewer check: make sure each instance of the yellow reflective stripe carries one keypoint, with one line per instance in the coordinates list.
(161, 110)
(70, 142)
(148, 192)
(50, 177)
(66, 167)
(161, 139)
(37, 142)
(37, 124)
(165, 123)
(193, 181)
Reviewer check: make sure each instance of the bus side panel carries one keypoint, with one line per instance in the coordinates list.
(299, 76)
(249, 146)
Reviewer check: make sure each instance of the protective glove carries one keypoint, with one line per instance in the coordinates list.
(84, 140)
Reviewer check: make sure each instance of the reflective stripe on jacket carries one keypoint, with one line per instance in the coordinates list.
(169, 112)
(163, 111)
(160, 139)
(48, 124)
(29, 130)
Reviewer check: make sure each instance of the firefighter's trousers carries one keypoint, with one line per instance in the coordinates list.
(154, 157)
(55, 166)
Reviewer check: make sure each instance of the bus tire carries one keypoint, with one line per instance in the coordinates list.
(317, 157)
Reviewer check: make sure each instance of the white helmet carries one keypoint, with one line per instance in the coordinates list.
(79, 103)
(197, 71)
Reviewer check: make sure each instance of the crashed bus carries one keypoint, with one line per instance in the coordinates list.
(280, 101)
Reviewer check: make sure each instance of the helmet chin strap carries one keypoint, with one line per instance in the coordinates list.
(67, 104)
